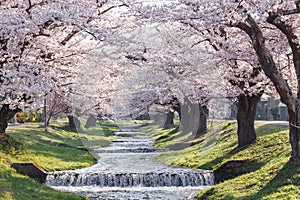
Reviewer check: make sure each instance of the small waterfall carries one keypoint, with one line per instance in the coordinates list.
(154, 179)
(128, 170)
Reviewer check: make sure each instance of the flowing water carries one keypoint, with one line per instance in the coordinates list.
(128, 170)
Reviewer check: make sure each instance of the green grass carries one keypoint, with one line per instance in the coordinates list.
(15, 186)
(272, 176)
(58, 149)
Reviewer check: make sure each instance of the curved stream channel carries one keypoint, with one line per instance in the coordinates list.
(127, 169)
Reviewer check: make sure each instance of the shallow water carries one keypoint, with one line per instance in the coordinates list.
(127, 169)
(135, 193)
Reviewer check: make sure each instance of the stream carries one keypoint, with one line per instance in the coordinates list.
(128, 170)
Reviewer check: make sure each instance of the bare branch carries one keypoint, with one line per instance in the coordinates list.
(69, 36)
(112, 7)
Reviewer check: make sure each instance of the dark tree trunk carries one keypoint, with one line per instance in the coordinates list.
(91, 121)
(200, 124)
(45, 116)
(74, 122)
(294, 134)
(5, 115)
(3, 123)
(169, 122)
(245, 118)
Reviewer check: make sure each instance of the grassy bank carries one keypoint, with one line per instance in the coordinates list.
(268, 175)
(58, 149)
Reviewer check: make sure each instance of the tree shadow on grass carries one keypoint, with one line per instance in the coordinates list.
(54, 149)
(75, 140)
(220, 159)
(287, 176)
(269, 129)
(46, 138)
(231, 168)
(168, 136)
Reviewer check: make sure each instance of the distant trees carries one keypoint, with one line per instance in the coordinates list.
(174, 80)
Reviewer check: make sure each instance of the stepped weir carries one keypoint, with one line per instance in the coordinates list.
(127, 169)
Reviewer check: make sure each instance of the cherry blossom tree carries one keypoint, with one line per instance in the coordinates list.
(216, 24)
(284, 17)
(262, 22)
(271, 27)
(244, 85)
(55, 104)
(246, 82)
(42, 45)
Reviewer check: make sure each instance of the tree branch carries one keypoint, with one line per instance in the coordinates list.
(274, 18)
(267, 63)
(69, 36)
(110, 8)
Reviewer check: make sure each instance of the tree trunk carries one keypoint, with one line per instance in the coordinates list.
(45, 116)
(245, 118)
(91, 121)
(3, 124)
(48, 120)
(294, 134)
(6, 114)
(74, 122)
(193, 119)
(169, 122)
(186, 117)
(200, 124)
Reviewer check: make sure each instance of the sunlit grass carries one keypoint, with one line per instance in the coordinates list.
(58, 149)
(274, 176)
